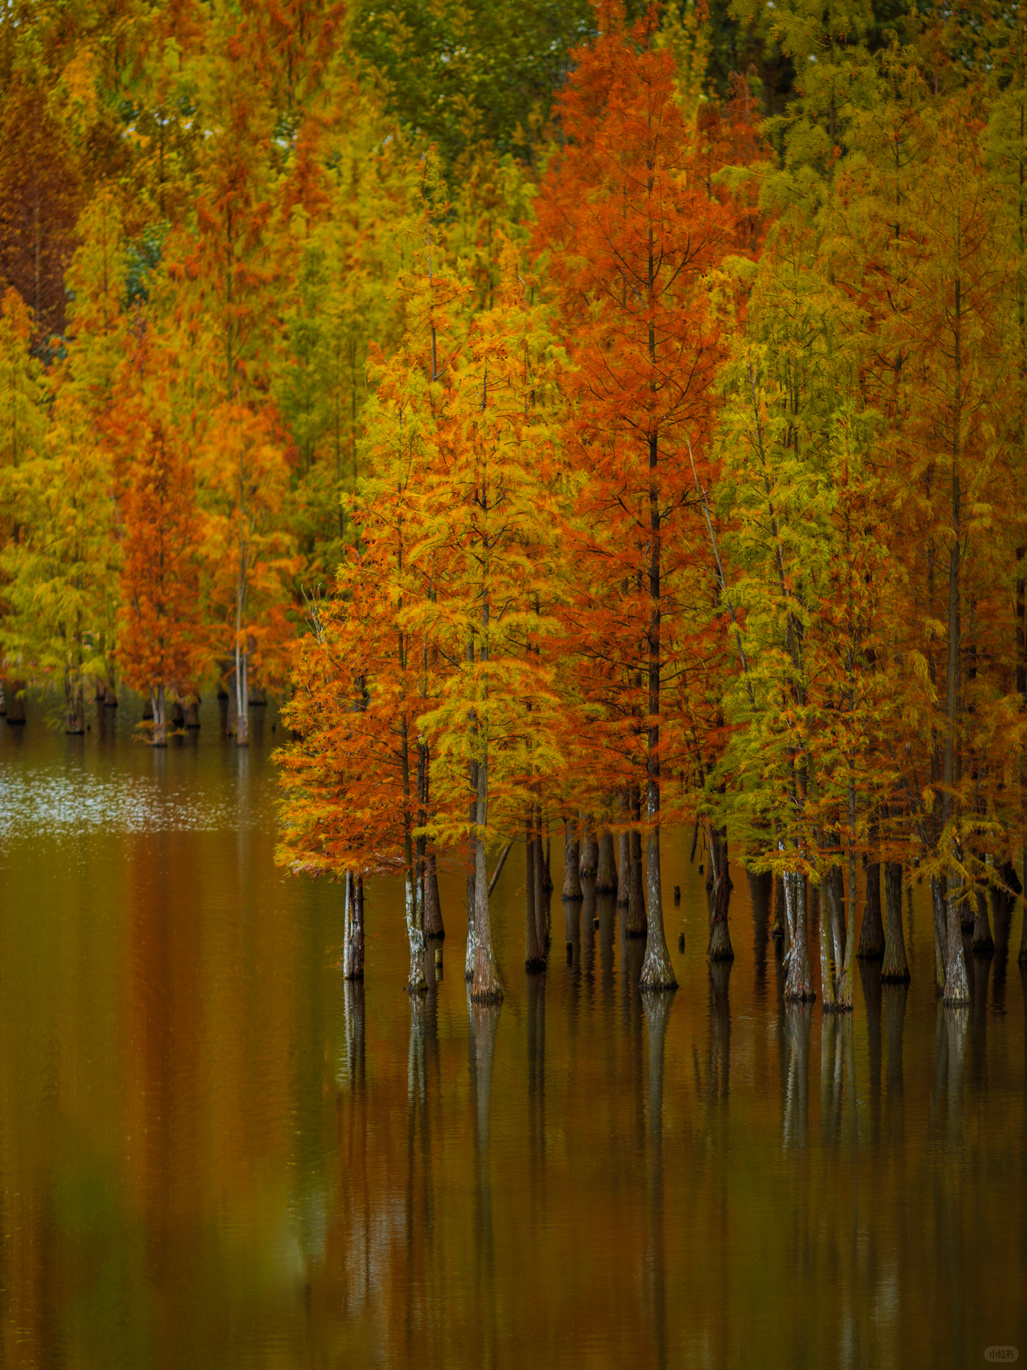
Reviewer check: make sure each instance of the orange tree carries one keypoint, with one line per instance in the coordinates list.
(630, 235)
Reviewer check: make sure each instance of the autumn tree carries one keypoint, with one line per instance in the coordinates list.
(630, 234)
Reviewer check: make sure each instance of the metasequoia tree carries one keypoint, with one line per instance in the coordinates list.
(630, 235)
(159, 642)
(490, 523)
(22, 429)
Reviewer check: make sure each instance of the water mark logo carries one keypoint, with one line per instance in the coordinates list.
(1002, 1355)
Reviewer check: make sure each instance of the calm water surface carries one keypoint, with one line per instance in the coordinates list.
(215, 1153)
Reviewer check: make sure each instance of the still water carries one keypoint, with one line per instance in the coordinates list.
(213, 1153)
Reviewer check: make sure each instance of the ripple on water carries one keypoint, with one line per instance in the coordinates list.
(37, 802)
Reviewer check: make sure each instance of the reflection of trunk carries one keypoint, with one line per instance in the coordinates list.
(895, 966)
(571, 857)
(533, 958)
(893, 999)
(795, 1123)
(657, 1016)
(718, 895)
(760, 893)
(983, 943)
(588, 943)
(542, 888)
(606, 907)
(483, 1022)
(870, 978)
(718, 1079)
(606, 872)
(572, 932)
(837, 1061)
(353, 1011)
(871, 934)
(433, 926)
(158, 704)
(799, 984)
(536, 1012)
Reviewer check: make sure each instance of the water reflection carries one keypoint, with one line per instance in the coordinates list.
(214, 1146)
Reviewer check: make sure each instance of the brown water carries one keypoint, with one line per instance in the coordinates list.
(214, 1153)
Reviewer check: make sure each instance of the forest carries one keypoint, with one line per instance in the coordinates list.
(589, 419)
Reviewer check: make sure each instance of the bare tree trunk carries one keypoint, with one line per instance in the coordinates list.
(606, 872)
(624, 870)
(777, 930)
(895, 966)
(471, 862)
(983, 943)
(434, 928)
(571, 857)
(485, 987)
(541, 893)
(589, 859)
(941, 939)
(718, 895)
(871, 933)
(353, 943)
(159, 734)
(957, 988)
(15, 698)
(636, 924)
(74, 709)
(242, 697)
(799, 983)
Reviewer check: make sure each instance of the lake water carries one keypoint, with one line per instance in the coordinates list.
(214, 1153)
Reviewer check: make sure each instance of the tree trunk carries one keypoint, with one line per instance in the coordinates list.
(718, 896)
(485, 987)
(822, 901)
(799, 982)
(571, 857)
(541, 894)
(242, 697)
(74, 709)
(159, 732)
(895, 966)
(871, 933)
(177, 714)
(471, 861)
(657, 972)
(589, 860)
(353, 946)
(957, 988)
(777, 929)
(434, 929)
(191, 712)
(983, 943)
(636, 924)
(941, 941)
(606, 872)
(14, 696)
